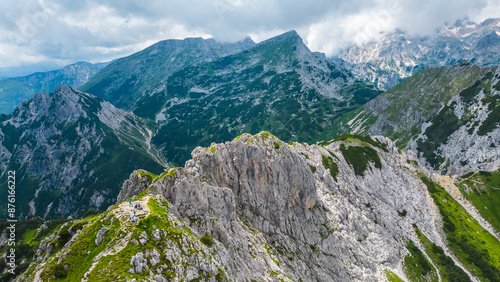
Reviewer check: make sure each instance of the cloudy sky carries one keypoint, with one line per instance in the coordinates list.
(43, 34)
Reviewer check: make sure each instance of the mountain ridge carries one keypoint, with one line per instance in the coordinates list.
(137, 74)
(409, 111)
(324, 221)
(279, 84)
(60, 144)
(14, 90)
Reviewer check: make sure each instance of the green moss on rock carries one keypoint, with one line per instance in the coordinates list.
(313, 168)
(359, 158)
(330, 164)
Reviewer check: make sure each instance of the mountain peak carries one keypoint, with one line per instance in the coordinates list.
(62, 89)
(291, 33)
(289, 42)
(291, 36)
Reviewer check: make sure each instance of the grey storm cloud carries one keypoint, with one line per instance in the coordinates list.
(62, 32)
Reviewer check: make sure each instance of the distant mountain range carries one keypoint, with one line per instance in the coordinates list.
(399, 55)
(420, 207)
(278, 83)
(16, 89)
(188, 93)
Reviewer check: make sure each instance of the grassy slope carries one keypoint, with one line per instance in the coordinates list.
(27, 241)
(79, 256)
(482, 189)
(416, 265)
(477, 250)
(448, 271)
(424, 93)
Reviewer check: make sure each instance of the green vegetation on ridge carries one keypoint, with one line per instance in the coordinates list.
(482, 189)
(359, 157)
(448, 270)
(392, 277)
(416, 265)
(477, 250)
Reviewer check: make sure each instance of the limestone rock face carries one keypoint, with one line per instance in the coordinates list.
(278, 210)
(465, 135)
(447, 116)
(138, 262)
(100, 235)
(133, 186)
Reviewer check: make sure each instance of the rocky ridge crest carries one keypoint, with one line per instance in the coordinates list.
(259, 208)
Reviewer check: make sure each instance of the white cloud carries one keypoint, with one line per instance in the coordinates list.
(492, 10)
(66, 31)
(425, 16)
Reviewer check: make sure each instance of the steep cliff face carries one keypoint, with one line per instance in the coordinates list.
(65, 147)
(257, 208)
(329, 221)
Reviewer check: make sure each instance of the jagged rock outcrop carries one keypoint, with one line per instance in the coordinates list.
(259, 209)
(100, 235)
(138, 182)
(268, 186)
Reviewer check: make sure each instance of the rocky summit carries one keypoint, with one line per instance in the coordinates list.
(258, 209)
